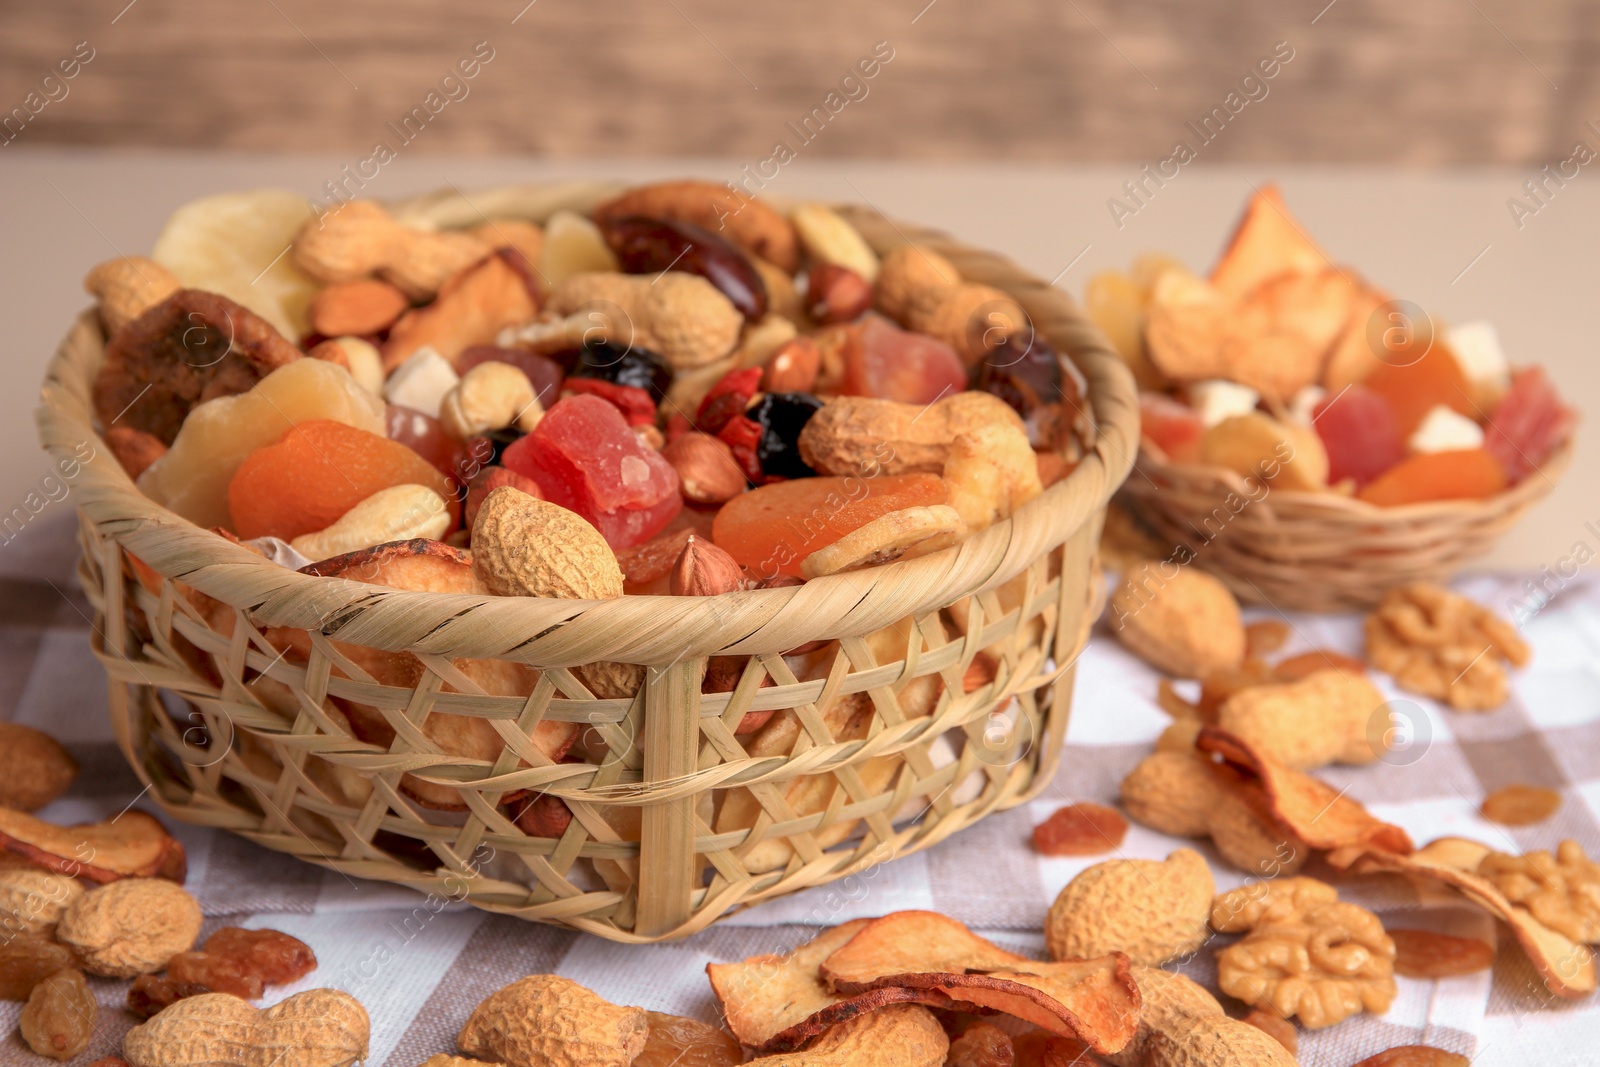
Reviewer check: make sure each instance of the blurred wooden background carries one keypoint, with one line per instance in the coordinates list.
(1424, 82)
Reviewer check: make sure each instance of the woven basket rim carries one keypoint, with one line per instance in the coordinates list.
(634, 628)
(1310, 505)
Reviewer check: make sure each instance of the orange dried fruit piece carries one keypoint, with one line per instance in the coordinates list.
(674, 1041)
(1265, 636)
(133, 845)
(317, 472)
(772, 529)
(1080, 830)
(1466, 474)
(1320, 659)
(1520, 805)
(1415, 386)
(1425, 954)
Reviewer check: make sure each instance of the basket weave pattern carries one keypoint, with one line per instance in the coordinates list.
(1302, 551)
(883, 751)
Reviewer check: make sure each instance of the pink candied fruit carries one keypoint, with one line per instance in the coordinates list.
(585, 458)
(1361, 433)
(1527, 424)
(889, 363)
(1172, 426)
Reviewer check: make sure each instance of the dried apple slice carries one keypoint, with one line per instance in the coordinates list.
(765, 994)
(908, 942)
(1280, 334)
(1186, 324)
(133, 845)
(904, 1034)
(1093, 1001)
(1568, 968)
(1321, 816)
(1268, 241)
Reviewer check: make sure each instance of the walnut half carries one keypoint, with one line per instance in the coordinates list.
(1561, 890)
(1305, 953)
(1442, 645)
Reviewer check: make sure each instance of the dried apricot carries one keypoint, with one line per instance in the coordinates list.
(1520, 805)
(1467, 474)
(772, 529)
(1414, 387)
(150, 993)
(1276, 1027)
(318, 471)
(678, 1042)
(1415, 1056)
(59, 1018)
(1080, 830)
(28, 959)
(1425, 954)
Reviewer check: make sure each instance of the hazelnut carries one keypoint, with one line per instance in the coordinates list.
(706, 468)
(836, 294)
(703, 569)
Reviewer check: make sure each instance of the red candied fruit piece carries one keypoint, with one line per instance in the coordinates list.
(1528, 424)
(1361, 434)
(881, 360)
(742, 435)
(772, 529)
(545, 373)
(1172, 426)
(634, 403)
(585, 458)
(729, 397)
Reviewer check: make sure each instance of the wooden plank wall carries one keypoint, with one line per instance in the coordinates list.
(1370, 81)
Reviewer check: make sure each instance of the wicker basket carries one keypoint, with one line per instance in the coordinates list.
(229, 732)
(1302, 551)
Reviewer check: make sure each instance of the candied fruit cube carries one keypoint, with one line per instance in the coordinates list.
(584, 457)
(1361, 434)
(887, 362)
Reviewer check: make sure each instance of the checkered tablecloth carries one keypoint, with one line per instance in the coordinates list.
(420, 968)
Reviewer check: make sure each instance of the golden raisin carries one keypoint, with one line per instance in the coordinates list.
(1276, 1027)
(1266, 636)
(26, 960)
(1425, 954)
(1080, 830)
(151, 993)
(239, 961)
(59, 1018)
(1520, 805)
(678, 1042)
(1415, 1056)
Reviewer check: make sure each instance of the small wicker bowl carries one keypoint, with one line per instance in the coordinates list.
(229, 732)
(1303, 551)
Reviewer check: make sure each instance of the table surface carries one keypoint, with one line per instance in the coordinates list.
(1445, 240)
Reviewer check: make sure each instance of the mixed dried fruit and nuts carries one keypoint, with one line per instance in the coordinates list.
(1294, 372)
(682, 361)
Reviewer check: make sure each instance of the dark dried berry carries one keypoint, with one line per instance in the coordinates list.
(624, 365)
(645, 245)
(151, 993)
(1024, 371)
(781, 417)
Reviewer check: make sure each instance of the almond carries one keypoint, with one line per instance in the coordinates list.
(703, 569)
(706, 467)
(359, 307)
